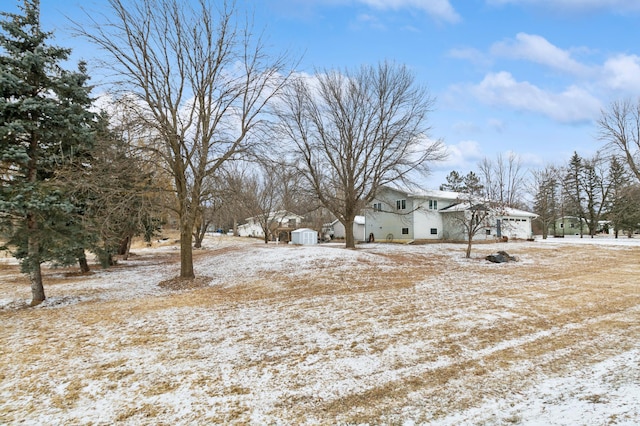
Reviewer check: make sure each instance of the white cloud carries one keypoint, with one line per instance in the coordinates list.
(438, 9)
(572, 105)
(622, 72)
(461, 155)
(616, 6)
(618, 75)
(537, 49)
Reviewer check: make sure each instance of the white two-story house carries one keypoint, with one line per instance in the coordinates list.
(397, 215)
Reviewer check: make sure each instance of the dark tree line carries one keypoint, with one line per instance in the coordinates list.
(68, 183)
(594, 193)
(46, 125)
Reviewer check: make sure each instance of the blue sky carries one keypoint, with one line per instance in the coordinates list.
(528, 76)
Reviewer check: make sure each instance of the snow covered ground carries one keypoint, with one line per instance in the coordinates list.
(384, 334)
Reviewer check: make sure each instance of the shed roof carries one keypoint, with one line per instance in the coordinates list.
(301, 230)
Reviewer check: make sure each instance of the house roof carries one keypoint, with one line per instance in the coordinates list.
(508, 211)
(432, 193)
(504, 211)
(358, 220)
(426, 193)
(453, 196)
(301, 230)
(278, 215)
(459, 207)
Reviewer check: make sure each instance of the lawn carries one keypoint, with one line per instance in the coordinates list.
(281, 334)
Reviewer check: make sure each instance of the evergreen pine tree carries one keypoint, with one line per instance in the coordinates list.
(574, 190)
(455, 182)
(623, 204)
(44, 124)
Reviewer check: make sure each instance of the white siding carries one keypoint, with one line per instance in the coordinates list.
(304, 236)
(359, 229)
(389, 222)
(421, 217)
(426, 219)
(250, 230)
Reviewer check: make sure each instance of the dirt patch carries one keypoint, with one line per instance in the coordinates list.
(184, 283)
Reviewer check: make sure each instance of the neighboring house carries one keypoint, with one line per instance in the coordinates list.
(570, 225)
(335, 229)
(397, 215)
(281, 223)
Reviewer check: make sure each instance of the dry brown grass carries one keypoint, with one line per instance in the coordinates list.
(465, 340)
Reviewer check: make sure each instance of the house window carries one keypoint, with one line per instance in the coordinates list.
(405, 231)
(433, 204)
(401, 204)
(572, 225)
(487, 231)
(562, 225)
(377, 207)
(434, 231)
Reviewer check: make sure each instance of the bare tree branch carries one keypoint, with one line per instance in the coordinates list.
(352, 132)
(203, 84)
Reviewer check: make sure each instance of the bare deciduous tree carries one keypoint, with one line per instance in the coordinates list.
(620, 129)
(204, 82)
(597, 188)
(353, 132)
(264, 200)
(545, 191)
(502, 179)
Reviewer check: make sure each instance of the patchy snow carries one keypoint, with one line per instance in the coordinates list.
(383, 334)
(605, 393)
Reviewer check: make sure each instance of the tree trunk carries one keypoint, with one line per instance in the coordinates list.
(469, 243)
(82, 262)
(186, 249)
(125, 247)
(35, 271)
(197, 237)
(348, 233)
(201, 231)
(35, 274)
(265, 229)
(37, 289)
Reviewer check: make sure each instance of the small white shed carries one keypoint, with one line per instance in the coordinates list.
(304, 236)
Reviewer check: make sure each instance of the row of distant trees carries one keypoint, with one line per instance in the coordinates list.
(600, 188)
(592, 190)
(202, 123)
